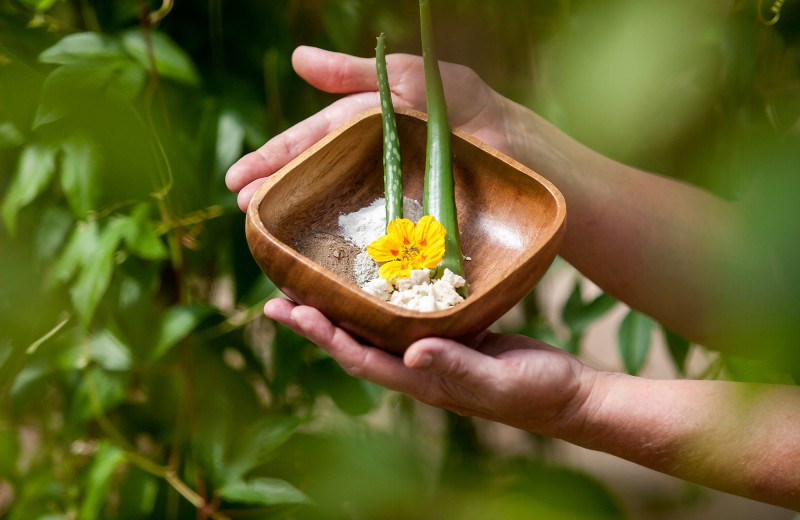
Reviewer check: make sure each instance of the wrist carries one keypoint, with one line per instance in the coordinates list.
(578, 420)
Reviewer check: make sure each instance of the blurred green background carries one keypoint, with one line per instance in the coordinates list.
(138, 377)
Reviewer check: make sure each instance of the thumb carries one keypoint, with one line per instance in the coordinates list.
(335, 72)
(452, 360)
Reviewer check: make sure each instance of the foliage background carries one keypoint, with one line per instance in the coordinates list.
(138, 378)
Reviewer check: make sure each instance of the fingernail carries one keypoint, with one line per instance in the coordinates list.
(422, 361)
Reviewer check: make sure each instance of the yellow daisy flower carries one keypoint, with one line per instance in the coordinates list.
(406, 247)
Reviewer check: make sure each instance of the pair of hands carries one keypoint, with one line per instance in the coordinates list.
(514, 380)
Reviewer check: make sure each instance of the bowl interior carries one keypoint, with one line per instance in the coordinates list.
(505, 212)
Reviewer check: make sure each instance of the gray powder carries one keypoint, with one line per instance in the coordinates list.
(366, 269)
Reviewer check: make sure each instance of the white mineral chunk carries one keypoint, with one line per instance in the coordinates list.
(404, 284)
(427, 304)
(454, 280)
(444, 292)
(379, 287)
(420, 276)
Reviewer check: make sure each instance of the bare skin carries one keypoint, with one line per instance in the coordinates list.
(633, 233)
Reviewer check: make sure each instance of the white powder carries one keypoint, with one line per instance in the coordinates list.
(368, 224)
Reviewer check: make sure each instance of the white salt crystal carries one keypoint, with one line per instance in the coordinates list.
(380, 288)
(453, 279)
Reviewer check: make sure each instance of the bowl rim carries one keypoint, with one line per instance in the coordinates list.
(254, 208)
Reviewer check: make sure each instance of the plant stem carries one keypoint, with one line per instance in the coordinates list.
(439, 195)
(392, 167)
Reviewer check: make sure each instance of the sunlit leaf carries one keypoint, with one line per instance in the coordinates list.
(171, 61)
(80, 167)
(35, 169)
(263, 491)
(634, 340)
(107, 459)
(176, 324)
(108, 351)
(81, 47)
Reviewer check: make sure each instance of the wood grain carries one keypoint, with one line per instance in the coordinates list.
(511, 222)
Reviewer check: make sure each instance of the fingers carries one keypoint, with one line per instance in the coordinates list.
(335, 72)
(281, 149)
(358, 360)
(453, 361)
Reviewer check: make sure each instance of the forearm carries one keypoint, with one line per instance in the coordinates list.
(663, 247)
(742, 439)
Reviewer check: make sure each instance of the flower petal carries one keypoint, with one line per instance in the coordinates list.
(384, 249)
(402, 230)
(396, 269)
(430, 256)
(428, 231)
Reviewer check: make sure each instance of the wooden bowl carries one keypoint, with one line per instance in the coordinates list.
(511, 222)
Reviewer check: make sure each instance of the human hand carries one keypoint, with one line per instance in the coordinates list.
(472, 107)
(510, 379)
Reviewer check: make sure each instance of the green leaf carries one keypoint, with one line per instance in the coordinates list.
(95, 276)
(71, 82)
(176, 324)
(83, 47)
(106, 460)
(634, 334)
(108, 351)
(10, 136)
(80, 167)
(53, 229)
(83, 241)
(678, 349)
(98, 391)
(127, 81)
(171, 61)
(35, 169)
(578, 315)
(263, 491)
(140, 235)
(230, 141)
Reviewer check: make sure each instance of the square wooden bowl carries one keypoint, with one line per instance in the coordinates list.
(511, 222)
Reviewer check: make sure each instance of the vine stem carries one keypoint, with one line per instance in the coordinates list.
(137, 459)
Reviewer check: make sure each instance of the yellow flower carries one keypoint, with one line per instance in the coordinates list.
(406, 247)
